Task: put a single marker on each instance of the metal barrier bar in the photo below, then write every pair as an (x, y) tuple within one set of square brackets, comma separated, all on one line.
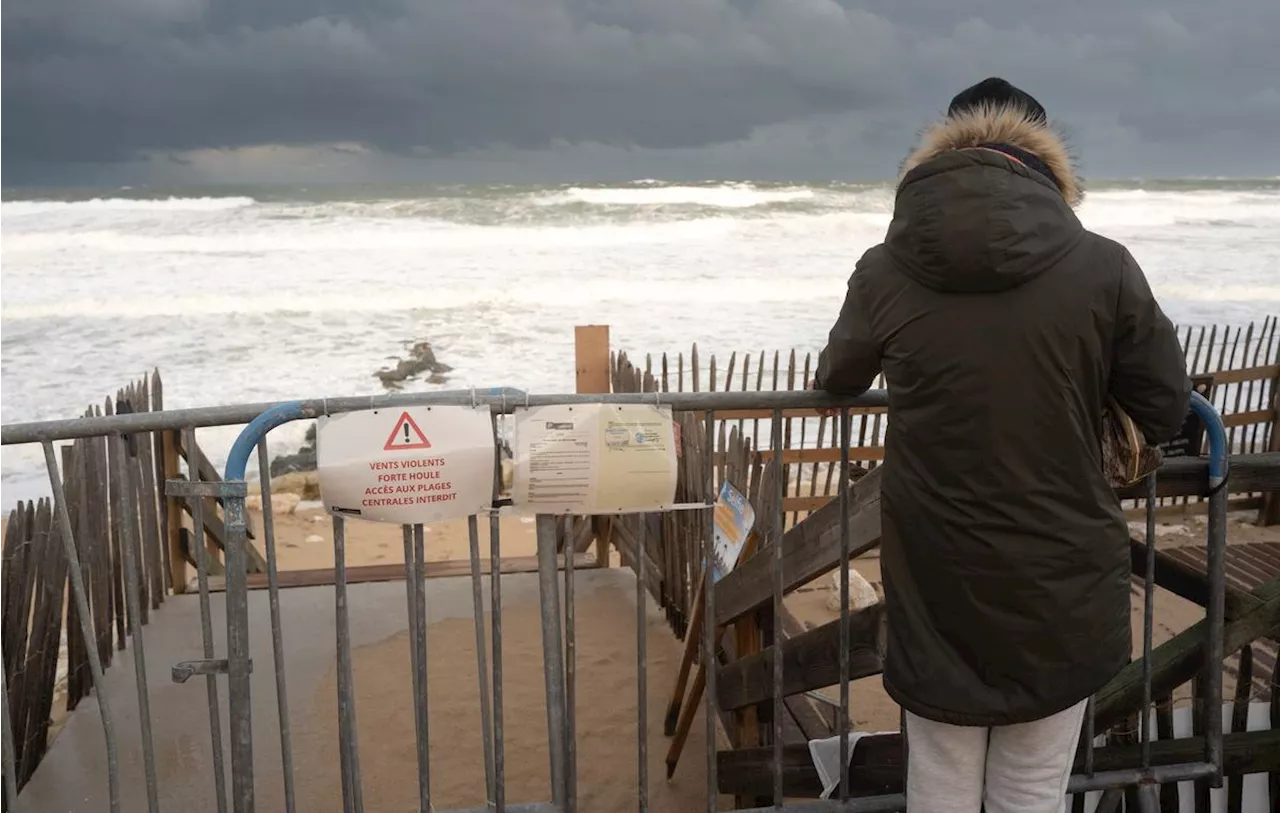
[(133, 602), (277, 633), (1089, 735), (81, 598), (495, 598), (477, 609), (420, 658), (417, 642), (642, 666), (206, 622), (570, 671), (552, 652), (1148, 619), (1219, 461), (709, 638), (780, 493), (503, 400), (348, 735), (843, 727), (560, 653)]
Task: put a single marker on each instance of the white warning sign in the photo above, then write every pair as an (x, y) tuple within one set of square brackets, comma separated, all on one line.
[(407, 466)]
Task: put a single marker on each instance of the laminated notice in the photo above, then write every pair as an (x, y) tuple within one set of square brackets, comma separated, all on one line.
[(407, 466), (594, 459)]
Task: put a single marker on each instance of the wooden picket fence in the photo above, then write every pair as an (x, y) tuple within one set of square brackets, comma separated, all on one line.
[(1242, 361)]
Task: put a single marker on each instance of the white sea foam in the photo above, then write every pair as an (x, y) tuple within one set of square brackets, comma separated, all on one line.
[(21, 208), (238, 300), (728, 196)]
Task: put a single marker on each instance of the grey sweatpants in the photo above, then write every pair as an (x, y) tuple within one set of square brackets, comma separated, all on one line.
[(1020, 768)]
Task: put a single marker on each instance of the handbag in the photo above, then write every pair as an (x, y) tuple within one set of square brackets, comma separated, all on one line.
[(1126, 456)]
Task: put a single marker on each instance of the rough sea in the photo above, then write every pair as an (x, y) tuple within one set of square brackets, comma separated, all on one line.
[(273, 293)]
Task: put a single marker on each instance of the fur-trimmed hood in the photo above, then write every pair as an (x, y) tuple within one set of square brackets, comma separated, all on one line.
[(1000, 125)]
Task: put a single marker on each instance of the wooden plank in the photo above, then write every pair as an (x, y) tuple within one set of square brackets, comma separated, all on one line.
[(1269, 513), (322, 577), (1183, 580), (47, 621), (158, 462), (150, 513), (810, 549), (170, 457), (1179, 659), (1240, 722), (77, 650), (1239, 419), (129, 493), (591, 358), (809, 714), (116, 530), (1248, 374), (1193, 509), (810, 660), (876, 764), (98, 533), (828, 455)]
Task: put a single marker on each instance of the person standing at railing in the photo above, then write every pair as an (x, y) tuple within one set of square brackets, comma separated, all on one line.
[(1001, 326)]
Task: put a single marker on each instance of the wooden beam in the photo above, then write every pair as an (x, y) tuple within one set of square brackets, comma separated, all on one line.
[(1183, 580), (1189, 476), (173, 513), (823, 455), (876, 765), (1179, 659), (1247, 418), (810, 715), (591, 358), (1191, 509), (1261, 373), (216, 532), (1269, 513), (810, 660), (767, 414), (810, 548)]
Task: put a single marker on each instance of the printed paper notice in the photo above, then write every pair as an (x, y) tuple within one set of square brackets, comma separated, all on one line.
[(734, 519), (407, 466), (594, 459)]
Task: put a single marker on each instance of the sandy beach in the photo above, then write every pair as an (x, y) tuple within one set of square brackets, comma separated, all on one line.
[(870, 707)]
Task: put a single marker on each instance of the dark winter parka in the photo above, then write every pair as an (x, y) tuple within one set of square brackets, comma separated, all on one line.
[(1001, 325)]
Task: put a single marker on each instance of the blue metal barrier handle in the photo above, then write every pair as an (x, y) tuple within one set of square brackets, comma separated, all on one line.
[(247, 442), (1219, 452)]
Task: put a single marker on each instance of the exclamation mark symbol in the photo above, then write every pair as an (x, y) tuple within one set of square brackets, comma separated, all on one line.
[(406, 432)]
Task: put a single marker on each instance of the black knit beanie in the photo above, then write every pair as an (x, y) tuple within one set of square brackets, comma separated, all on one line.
[(997, 93)]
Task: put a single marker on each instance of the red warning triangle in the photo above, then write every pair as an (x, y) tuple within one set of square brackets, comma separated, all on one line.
[(406, 435)]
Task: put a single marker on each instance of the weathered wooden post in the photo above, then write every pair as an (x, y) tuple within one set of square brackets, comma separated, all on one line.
[(593, 374), (1269, 513), (173, 514)]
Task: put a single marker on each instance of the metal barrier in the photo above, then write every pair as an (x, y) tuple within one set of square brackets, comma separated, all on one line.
[(557, 626)]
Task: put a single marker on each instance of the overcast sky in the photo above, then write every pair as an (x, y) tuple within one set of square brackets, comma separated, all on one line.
[(137, 91)]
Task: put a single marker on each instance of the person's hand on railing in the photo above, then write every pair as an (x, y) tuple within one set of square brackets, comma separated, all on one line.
[(826, 412)]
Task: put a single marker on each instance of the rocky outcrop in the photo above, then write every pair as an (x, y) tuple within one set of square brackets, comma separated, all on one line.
[(302, 460), (421, 359)]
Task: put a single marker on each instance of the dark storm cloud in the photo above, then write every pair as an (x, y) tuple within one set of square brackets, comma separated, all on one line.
[(111, 80)]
